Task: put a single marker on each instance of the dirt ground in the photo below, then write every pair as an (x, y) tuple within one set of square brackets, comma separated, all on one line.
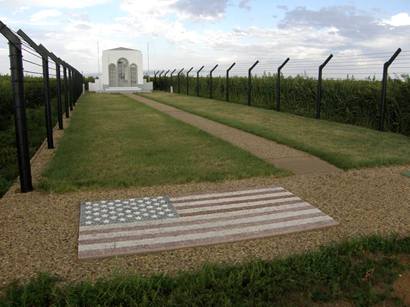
[(402, 288), (39, 231)]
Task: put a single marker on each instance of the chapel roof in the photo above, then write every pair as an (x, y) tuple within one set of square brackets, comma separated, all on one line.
[(122, 48)]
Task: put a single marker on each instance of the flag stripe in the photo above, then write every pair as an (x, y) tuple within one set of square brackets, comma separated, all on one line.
[(183, 233), (212, 224), (240, 206), (204, 235), (225, 194), (193, 219), (228, 200), (210, 241)]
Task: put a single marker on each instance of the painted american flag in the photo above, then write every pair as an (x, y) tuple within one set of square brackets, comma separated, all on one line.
[(151, 224)]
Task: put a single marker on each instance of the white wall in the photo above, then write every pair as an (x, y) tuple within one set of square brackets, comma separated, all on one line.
[(95, 86), (112, 57)]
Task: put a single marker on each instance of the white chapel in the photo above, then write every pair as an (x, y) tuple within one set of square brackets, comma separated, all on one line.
[(122, 71)]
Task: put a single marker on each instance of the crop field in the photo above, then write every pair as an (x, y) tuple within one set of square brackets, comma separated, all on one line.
[(348, 101)]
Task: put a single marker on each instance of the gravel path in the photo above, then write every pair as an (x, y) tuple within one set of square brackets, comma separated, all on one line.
[(39, 231), (284, 157)]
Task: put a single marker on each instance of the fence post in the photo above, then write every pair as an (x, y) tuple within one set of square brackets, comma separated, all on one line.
[(59, 101), (250, 82), (179, 80), (78, 82), (277, 96), (319, 86), (17, 81), (66, 101), (197, 80), (155, 78), (70, 87), (210, 81), (384, 88), (227, 81), (187, 81), (171, 80), (75, 84), (165, 75), (46, 85), (160, 80)]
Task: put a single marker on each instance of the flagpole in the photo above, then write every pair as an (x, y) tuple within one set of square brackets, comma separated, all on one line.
[(98, 57), (148, 59)]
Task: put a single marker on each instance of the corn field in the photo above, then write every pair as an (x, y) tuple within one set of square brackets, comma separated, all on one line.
[(348, 101)]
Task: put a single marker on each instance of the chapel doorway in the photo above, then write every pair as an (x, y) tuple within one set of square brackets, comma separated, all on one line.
[(123, 73)]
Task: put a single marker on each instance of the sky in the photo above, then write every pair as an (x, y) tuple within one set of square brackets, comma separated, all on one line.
[(184, 33)]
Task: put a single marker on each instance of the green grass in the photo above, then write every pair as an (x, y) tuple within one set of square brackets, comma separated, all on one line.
[(361, 272), (345, 146), (114, 141)]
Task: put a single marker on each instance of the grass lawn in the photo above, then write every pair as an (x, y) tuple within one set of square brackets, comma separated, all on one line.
[(345, 146), (114, 141), (361, 272)]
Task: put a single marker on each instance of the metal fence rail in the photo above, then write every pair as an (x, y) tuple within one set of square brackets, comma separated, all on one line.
[(68, 88)]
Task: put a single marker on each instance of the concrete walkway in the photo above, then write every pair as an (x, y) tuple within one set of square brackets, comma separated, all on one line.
[(284, 157)]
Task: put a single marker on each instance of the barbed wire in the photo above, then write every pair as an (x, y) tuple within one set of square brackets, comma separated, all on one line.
[(32, 53), (33, 63), (33, 72)]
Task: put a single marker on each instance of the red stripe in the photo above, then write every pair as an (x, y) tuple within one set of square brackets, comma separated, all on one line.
[(239, 209), (199, 230), (227, 196), (241, 201), (201, 242)]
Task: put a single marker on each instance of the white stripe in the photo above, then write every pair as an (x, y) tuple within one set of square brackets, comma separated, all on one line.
[(259, 218), (200, 236), (201, 196), (209, 216), (230, 199), (236, 206)]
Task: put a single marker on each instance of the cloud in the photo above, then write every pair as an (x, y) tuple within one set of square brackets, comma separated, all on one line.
[(245, 4), (44, 15), (282, 7), (399, 20), (200, 9), (359, 29), (348, 20), (60, 4), (302, 33)]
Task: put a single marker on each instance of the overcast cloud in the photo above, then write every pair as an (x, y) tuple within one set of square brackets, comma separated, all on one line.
[(194, 32)]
